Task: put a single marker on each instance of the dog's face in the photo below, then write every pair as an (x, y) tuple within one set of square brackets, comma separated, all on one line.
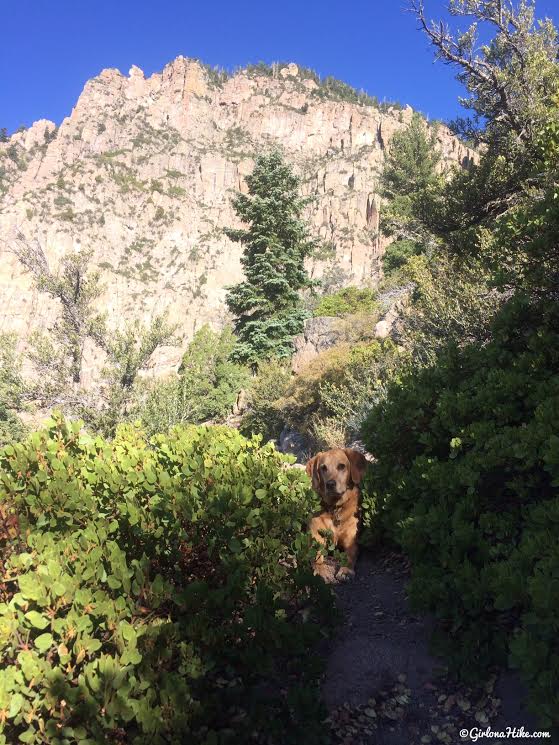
[(335, 471)]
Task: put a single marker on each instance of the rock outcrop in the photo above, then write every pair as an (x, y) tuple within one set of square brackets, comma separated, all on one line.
[(319, 334), (142, 173)]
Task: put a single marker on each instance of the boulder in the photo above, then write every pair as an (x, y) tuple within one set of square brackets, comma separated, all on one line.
[(294, 443), (319, 334)]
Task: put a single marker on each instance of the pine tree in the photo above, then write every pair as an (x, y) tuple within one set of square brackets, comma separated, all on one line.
[(409, 182), (512, 84), (267, 306), (511, 79)]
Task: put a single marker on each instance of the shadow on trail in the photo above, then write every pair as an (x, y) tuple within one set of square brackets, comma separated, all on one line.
[(384, 687)]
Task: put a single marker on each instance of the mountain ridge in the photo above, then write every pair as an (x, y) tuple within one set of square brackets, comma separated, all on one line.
[(142, 172)]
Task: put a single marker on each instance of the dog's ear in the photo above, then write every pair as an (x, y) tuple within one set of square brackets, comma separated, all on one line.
[(358, 464), (312, 471)]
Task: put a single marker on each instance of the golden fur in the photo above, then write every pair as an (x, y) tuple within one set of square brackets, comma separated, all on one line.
[(336, 475)]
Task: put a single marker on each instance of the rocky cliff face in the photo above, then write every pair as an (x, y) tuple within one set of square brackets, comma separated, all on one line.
[(142, 173)]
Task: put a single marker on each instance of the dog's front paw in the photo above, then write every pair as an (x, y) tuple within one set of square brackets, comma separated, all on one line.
[(326, 570), (344, 574)]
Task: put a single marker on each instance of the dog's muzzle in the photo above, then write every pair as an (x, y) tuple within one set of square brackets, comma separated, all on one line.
[(331, 491)]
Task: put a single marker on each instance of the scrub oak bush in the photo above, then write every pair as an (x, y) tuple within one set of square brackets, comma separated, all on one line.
[(206, 387), (347, 301), (262, 416), (466, 479), (328, 399), (333, 393), (156, 592)]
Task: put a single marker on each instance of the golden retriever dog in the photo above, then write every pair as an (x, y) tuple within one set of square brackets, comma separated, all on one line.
[(336, 475)]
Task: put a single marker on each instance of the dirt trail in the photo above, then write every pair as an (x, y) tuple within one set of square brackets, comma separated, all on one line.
[(383, 685)]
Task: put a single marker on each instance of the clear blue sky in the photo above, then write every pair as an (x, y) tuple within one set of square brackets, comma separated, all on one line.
[(50, 48)]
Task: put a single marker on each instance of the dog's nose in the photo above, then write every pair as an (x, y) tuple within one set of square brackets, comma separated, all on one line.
[(330, 484)]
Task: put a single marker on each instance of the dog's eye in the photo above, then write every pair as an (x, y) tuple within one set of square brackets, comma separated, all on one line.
[(341, 466), (323, 467)]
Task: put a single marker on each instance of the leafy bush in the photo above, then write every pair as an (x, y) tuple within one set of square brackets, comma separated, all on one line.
[(347, 301), (260, 69), (12, 390), (302, 399), (466, 480), (397, 254), (523, 251), (128, 351), (345, 403), (155, 594), (206, 387), (451, 302), (270, 384), (328, 399), (331, 395)]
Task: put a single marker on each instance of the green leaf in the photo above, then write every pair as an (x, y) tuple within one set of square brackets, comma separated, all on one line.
[(131, 657), (58, 588), (37, 620), (113, 582), (29, 587), (16, 703), (128, 631), (44, 642)]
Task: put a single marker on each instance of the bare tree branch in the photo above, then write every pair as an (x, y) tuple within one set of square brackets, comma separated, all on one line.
[(30, 254), (482, 76)]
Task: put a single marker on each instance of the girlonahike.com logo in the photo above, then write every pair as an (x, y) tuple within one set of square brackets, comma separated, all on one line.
[(476, 733)]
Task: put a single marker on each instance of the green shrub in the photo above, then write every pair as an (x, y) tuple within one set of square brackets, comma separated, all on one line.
[(331, 395), (156, 594), (259, 69), (398, 253), (128, 352), (270, 384), (176, 191), (466, 480), (12, 391), (532, 575), (62, 201), (302, 398), (332, 89), (205, 389), (451, 302), (347, 301), (345, 402)]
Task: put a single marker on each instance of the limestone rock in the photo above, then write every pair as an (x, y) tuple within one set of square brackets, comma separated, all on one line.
[(394, 302), (292, 70), (241, 404), (319, 334), (382, 329)]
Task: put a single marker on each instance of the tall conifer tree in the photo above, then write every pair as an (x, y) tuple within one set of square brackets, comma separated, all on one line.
[(267, 305), (410, 181)]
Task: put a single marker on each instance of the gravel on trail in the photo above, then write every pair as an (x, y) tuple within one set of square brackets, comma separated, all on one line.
[(383, 686)]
